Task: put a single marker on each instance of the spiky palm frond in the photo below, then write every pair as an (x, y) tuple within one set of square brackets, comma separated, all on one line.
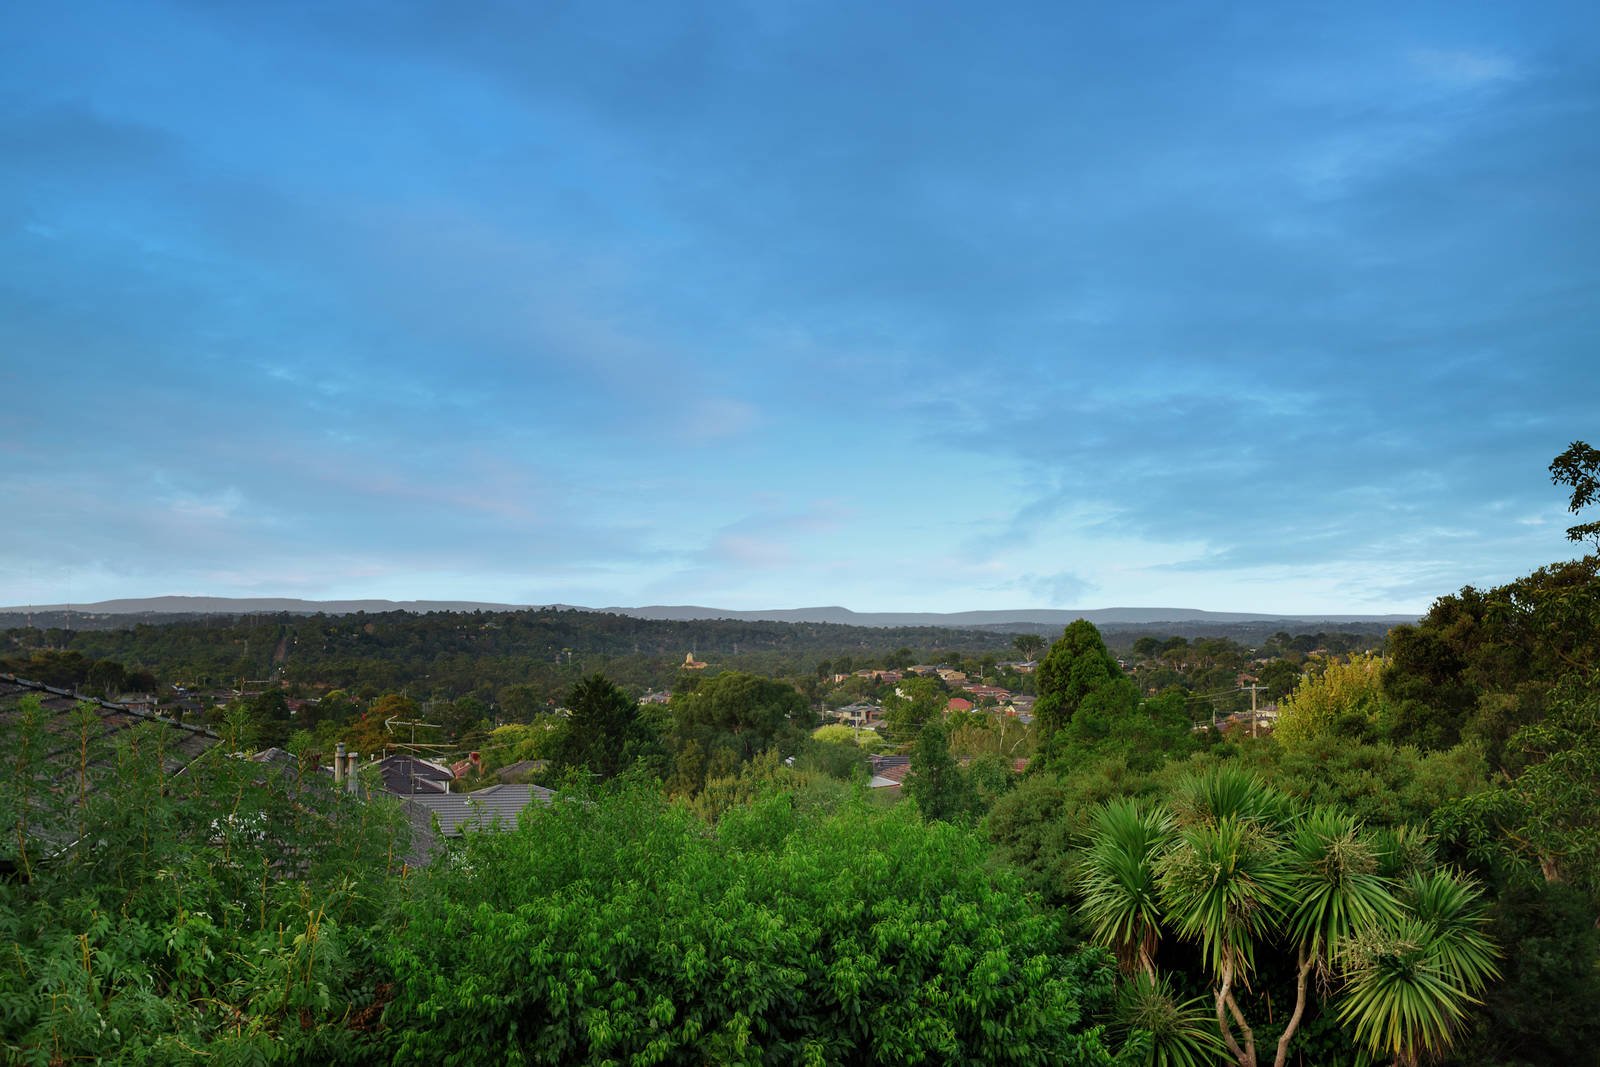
[(1450, 906), (1181, 1033), (1228, 792), (1400, 1000), (1116, 878), (1403, 849), (1337, 890), (1226, 886)]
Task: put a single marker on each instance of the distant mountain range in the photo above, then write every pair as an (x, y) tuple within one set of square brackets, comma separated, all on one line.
[(1025, 617)]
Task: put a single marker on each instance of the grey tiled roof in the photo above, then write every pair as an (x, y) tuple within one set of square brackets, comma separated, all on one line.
[(521, 769), (406, 775), (183, 742), (180, 744), (495, 807)]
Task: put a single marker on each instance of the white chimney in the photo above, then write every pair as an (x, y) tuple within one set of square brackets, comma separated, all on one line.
[(338, 763)]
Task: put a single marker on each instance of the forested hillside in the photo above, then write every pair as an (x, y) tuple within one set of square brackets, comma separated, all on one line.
[(451, 654)]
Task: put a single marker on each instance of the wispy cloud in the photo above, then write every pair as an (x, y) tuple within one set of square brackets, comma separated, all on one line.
[(1463, 68)]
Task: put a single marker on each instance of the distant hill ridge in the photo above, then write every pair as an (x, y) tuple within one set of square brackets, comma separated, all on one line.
[(206, 605)]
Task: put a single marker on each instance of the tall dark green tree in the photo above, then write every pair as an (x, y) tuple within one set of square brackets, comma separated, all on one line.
[(604, 733), (935, 781), (1077, 665), (269, 714)]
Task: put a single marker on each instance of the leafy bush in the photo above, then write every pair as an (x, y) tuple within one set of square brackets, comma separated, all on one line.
[(621, 928), (226, 912)]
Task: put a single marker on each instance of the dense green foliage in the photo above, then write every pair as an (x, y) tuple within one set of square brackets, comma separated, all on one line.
[(247, 912), (720, 723), (620, 930), (227, 913)]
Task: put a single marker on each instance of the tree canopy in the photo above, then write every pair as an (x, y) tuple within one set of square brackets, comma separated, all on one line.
[(723, 721)]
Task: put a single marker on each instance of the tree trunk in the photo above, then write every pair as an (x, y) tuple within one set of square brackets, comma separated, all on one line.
[(1306, 959), (1244, 1028), (1245, 1057)]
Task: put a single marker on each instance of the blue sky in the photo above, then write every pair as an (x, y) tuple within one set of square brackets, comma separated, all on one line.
[(928, 306)]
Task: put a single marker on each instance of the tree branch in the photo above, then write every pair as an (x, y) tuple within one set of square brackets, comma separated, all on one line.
[(1306, 959), (1244, 1027), (1246, 1057)]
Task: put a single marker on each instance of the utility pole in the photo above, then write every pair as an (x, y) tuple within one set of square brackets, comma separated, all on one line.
[(1254, 688)]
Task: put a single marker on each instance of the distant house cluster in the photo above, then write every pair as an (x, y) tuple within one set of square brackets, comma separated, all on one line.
[(968, 695)]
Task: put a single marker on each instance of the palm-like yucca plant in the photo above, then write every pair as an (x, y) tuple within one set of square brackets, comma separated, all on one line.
[(1226, 884), (1180, 1033), (1333, 872), (1117, 880), (1410, 981), (1403, 849), (1228, 792), (1450, 905), (1336, 884), (1399, 1001), (1236, 866)]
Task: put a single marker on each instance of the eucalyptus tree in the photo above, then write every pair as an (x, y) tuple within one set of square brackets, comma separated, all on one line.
[(1579, 469)]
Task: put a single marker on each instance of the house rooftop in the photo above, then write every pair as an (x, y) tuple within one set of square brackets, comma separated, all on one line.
[(184, 741), (435, 816), (61, 752), (407, 775)]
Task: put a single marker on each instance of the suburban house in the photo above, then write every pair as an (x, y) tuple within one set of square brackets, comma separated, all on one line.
[(889, 773), (858, 714), (406, 775), (437, 815)]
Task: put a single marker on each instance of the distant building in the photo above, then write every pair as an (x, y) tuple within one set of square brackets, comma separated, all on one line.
[(409, 776), (858, 714), (692, 664)]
